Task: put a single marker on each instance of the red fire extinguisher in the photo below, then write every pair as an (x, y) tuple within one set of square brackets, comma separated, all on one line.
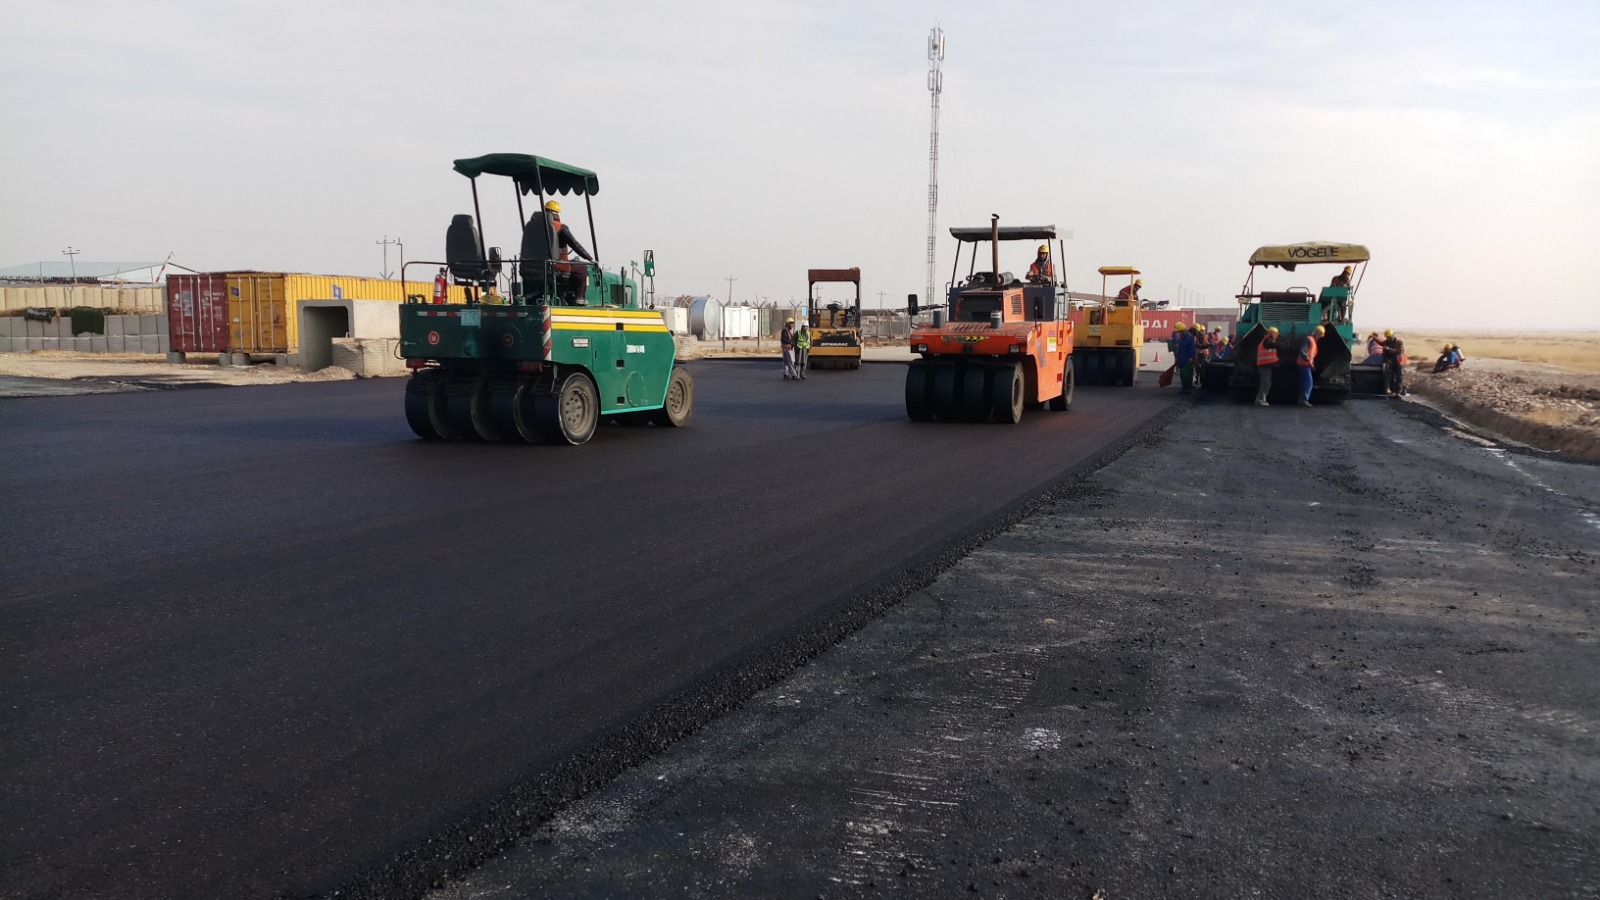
[(441, 289)]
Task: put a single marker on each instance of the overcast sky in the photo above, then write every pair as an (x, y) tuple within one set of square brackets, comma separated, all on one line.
[(1459, 141)]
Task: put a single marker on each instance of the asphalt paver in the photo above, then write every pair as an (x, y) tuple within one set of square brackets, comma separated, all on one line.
[(1345, 652), (263, 642)]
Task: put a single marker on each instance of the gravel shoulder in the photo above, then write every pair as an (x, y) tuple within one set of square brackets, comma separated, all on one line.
[(32, 374), (1338, 652)]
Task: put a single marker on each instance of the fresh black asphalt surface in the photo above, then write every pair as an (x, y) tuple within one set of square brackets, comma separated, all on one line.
[(262, 642)]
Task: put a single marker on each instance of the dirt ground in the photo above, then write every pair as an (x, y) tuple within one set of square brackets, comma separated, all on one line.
[(98, 372)]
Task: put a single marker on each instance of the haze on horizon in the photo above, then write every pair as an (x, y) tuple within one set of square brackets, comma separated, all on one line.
[(1459, 141)]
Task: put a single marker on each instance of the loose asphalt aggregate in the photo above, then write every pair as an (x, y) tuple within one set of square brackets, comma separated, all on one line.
[(1344, 652)]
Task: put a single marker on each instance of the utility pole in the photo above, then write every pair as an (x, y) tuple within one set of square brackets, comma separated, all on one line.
[(72, 256), (386, 242), (935, 86), (722, 320)]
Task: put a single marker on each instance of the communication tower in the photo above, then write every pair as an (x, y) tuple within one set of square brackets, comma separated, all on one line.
[(935, 85)]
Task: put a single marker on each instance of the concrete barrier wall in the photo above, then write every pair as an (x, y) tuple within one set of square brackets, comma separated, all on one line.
[(369, 357), (124, 334), (56, 296)]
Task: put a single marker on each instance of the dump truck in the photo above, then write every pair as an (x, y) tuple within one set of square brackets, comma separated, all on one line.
[(997, 345), (836, 327), (552, 356), (1107, 350), (1295, 312)]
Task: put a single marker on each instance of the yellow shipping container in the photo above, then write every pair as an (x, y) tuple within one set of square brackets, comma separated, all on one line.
[(261, 305)]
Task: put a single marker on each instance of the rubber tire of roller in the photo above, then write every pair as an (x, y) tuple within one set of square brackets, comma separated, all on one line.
[(947, 392), (919, 391), (502, 409), (525, 411), (424, 405), (1063, 401), (1007, 390), (571, 414), (459, 394), (976, 405), (679, 403)]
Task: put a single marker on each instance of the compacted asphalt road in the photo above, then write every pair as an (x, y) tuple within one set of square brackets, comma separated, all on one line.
[(262, 642)]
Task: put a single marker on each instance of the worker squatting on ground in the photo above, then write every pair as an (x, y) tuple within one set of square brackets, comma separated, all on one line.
[(1266, 360), (786, 341), (1394, 364), (802, 349), (544, 238), (1306, 363), (1042, 272), (1449, 358)]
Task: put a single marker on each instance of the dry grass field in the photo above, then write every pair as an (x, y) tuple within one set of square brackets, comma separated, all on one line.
[(1572, 351), (1540, 388)]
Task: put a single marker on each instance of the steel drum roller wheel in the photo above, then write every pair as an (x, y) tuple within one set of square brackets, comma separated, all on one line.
[(679, 403)]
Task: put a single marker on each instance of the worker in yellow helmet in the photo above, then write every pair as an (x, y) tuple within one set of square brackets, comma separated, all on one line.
[(1394, 364), (786, 343), (1343, 278), (545, 243), (1130, 292), (1042, 272), (1306, 362), (1266, 362)]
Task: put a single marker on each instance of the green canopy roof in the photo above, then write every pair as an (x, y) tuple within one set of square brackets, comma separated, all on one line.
[(530, 171)]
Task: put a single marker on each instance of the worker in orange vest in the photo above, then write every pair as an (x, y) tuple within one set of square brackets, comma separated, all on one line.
[(1306, 361), (1042, 272), (1266, 360)]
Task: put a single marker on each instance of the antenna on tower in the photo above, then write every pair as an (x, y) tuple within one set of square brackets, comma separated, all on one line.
[(935, 85)]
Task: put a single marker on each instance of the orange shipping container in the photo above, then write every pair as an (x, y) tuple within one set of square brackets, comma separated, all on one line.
[(261, 305)]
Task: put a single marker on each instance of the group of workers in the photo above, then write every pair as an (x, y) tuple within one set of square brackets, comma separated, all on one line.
[(796, 344), (1192, 348), (1390, 352), (1305, 364)]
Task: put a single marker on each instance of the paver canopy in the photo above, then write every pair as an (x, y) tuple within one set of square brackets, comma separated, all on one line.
[(1290, 255), (532, 171), (1007, 233)]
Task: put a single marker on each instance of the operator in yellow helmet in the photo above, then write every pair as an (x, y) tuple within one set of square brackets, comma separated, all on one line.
[(1129, 292), (543, 261), (1343, 278), (1042, 272)]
